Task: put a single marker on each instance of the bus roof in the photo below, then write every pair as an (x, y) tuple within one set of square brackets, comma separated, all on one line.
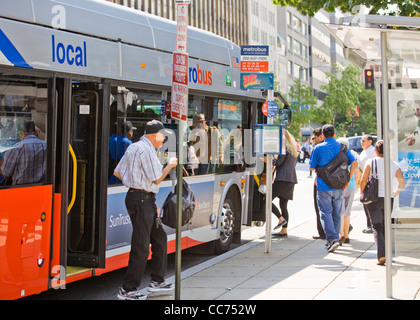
[(100, 18)]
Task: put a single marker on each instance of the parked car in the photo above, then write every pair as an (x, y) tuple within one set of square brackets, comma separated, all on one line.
[(355, 144)]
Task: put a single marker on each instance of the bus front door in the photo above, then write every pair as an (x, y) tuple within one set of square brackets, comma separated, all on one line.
[(86, 206)]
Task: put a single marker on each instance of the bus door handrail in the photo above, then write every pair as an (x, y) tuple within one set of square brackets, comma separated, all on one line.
[(73, 197)]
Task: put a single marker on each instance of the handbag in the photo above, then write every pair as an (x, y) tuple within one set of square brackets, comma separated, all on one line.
[(370, 193), (263, 181), (169, 208)]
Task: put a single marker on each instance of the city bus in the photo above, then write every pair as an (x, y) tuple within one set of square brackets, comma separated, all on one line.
[(79, 71)]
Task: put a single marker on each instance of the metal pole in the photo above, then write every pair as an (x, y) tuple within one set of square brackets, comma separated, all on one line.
[(387, 162), (181, 46), (269, 189), (179, 174)]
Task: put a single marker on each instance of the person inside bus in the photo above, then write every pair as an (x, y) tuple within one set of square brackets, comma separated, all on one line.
[(206, 142), (26, 163), (124, 139), (30, 112), (112, 156), (141, 171), (284, 183)]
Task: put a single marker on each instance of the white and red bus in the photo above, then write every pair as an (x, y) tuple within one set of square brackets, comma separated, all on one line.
[(79, 70)]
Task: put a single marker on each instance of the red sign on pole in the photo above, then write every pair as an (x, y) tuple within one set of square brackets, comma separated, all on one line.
[(181, 28), (179, 108), (254, 66)]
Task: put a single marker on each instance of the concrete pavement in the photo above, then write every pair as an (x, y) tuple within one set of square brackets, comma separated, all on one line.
[(299, 267)]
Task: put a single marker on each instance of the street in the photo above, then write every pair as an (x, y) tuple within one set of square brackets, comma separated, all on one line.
[(105, 287)]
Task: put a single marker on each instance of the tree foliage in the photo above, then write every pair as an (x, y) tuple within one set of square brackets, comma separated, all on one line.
[(301, 101), (310, 7), (343, 90)]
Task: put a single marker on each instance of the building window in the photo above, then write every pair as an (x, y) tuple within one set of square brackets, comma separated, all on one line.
[(290, 67)]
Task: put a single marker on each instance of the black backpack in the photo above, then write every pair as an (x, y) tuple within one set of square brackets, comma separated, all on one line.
[(336, 174), (169, 207)]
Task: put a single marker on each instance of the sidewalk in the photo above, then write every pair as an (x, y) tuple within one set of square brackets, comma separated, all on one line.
[(299, 267)]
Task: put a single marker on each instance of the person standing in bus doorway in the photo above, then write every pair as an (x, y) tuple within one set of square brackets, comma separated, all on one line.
[(141, 171), (124, 139), (284, 183), (207, 144)]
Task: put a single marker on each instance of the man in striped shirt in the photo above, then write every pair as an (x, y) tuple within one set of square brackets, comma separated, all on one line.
[(141, 171), (26, 162)]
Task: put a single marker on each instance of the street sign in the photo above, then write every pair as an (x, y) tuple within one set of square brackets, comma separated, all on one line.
[(255, 66), (255, 51), (260, 81), (270, 108), (179, 109), (181, 27), (165, 107), (255, 58)]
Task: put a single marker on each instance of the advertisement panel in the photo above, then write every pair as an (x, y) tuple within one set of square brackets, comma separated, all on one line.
[(119, 226), (405, 147)]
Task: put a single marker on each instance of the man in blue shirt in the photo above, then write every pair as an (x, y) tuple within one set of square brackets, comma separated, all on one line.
[(124, 140), (329, 199)]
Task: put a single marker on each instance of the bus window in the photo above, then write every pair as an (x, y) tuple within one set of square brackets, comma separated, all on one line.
[(230, 114), (23, 126), (130, 109), (215, 135)]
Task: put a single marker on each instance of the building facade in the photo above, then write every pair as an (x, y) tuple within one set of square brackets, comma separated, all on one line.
[(226, 18)]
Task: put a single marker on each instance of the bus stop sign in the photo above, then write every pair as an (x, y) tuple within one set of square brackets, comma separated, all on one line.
[(270, 109)]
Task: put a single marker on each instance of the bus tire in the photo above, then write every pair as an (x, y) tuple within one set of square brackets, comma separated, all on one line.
[(228, 219)]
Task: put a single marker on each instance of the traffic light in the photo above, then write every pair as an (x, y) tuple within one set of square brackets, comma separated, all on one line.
[(369, 79)]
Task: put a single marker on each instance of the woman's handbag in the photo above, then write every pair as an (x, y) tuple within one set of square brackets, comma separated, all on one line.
[(263, 181), (370, 193)]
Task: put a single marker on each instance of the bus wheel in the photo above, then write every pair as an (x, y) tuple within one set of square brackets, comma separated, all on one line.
[(227, 223)]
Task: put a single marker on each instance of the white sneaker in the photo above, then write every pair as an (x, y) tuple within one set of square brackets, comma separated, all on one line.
[(130, 295), (162, 287)]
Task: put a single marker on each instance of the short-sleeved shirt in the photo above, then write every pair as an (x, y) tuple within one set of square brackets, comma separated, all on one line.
[(27, 162), (140, 166), (122, 144), (380, 162), (322, 154)]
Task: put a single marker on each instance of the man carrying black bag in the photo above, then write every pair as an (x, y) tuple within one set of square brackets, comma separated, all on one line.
[(141, 171), (330, 199)]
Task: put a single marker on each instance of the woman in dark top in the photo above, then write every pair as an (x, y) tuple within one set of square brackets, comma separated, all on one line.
[(284, 183)]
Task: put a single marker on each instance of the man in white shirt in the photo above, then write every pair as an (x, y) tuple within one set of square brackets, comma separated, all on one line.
[(367, 153)]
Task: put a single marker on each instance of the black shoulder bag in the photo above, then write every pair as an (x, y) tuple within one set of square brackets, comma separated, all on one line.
[(370, 193)]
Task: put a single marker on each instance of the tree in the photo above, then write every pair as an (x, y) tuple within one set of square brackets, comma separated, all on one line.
[(366, 122), (342, 95), (405, 7), (301, 101)]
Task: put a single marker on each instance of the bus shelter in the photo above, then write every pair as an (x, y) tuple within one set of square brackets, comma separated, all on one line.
[(392, 45)]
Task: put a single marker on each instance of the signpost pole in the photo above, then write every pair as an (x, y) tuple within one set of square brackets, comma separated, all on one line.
[(255, 62), (179, 111)]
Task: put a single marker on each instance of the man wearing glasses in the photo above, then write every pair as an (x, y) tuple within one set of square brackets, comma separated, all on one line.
[(367, 153)]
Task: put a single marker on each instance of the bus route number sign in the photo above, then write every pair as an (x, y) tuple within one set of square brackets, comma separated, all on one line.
[(179, 106)]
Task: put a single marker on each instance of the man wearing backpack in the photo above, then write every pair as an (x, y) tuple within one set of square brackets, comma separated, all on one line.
[(330, 199)]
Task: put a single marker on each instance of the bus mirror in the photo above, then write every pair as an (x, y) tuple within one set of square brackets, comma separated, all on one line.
[(286, 117)]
